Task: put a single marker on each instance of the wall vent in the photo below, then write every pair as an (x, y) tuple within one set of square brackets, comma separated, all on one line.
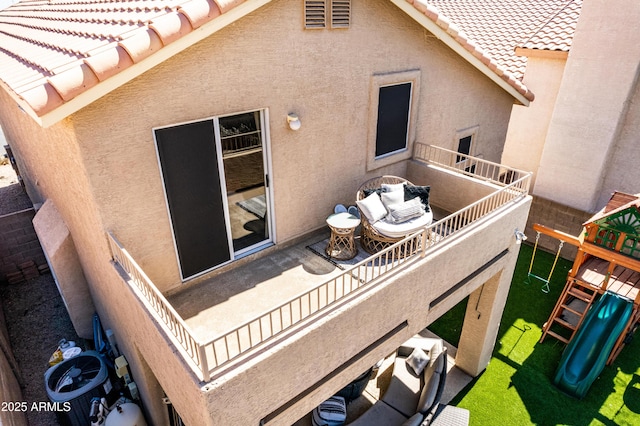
[(340, 13), (315, 14)]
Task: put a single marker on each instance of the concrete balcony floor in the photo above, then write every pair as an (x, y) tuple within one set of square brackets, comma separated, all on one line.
[(223, 302)]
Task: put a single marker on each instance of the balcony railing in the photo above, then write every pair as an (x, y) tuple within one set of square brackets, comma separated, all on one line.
[(206, 357)]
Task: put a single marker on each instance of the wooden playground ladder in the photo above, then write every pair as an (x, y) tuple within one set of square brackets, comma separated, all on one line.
[(574, 289)]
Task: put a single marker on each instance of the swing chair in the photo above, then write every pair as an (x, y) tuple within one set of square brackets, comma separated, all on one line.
[(545, 288)]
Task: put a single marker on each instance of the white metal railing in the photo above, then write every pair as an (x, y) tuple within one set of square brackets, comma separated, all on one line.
[(158, 306), (231, 344), (208, 356), (471, 166)]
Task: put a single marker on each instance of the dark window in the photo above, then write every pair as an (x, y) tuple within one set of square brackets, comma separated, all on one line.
[(464, 147), (394, 105)]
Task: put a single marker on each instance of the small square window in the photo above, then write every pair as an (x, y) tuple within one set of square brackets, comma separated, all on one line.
[(465, 140)]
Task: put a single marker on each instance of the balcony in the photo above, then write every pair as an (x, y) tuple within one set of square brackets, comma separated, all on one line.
[(243, 311)]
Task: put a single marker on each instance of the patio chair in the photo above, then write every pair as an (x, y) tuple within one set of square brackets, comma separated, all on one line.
[(372, 239)]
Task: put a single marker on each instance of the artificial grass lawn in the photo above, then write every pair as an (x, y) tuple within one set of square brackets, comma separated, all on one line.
[(517, 386)]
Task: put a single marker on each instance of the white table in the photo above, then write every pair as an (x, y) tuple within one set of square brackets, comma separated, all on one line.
[(342, 245)]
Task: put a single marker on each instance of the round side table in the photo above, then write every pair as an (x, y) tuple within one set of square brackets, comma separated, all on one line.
[(342, 245)]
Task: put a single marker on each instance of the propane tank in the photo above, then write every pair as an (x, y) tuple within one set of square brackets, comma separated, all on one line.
[(127, 414)]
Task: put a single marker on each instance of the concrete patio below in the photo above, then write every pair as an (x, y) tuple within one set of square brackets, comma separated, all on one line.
[(457, 380)]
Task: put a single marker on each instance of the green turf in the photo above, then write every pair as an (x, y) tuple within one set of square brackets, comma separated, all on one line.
[(516, 388)]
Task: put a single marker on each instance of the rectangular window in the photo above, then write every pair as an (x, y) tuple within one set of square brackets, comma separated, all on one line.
[(466, 140), (464, 147), (392, 117), (394, 109)]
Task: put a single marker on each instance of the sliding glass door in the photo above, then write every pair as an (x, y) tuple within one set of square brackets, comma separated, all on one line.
[(215, 176)]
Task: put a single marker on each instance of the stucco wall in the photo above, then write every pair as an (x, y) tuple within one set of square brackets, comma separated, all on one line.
[(449, 191), (622, 172), (51, 165), (600, 78), (100, 168), (284, 372), (528, 126), (266, 60)]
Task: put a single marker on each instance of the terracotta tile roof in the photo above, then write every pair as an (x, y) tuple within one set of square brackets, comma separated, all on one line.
[(51, 51), (557, 33), (498, 26), (472, 25)]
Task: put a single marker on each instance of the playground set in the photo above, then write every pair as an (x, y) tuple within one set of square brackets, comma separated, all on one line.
[(599, 308)]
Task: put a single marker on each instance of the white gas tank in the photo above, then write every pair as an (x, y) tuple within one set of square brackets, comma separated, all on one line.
[(127, 414)]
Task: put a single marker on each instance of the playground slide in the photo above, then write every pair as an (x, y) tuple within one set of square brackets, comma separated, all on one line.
[(584, 358)]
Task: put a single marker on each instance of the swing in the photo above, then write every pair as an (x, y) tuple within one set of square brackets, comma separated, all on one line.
[(545, 288)]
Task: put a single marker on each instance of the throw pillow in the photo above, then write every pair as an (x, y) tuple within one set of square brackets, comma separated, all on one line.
[(434, 354), (332, 412), (405, 211), (429, 394), (391, 187), (412, 191), (368, 192), (372, 208), (417, 361), (391, 198)]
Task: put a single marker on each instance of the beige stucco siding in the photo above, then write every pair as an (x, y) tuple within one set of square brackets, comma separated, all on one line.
[(299, 363), (266, 60), (529, 125), (599, 81), (622, 173), (100, 168), (53, 168)]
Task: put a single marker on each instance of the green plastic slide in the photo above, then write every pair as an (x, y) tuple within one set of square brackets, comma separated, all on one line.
[(586, 355)]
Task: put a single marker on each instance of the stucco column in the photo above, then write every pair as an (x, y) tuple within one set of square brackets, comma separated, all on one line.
[(63, 259), (481, 322)]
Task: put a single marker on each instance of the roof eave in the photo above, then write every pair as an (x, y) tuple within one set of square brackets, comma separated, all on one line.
[(93, 94), (453, 44)]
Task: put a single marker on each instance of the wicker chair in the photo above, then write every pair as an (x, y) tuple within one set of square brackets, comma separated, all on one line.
[(370, 239)]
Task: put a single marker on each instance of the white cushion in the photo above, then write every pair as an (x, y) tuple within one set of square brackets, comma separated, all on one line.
[(391, 198), (392, 187), (396, 230), (372, 208), (405, 210), (418, 360)]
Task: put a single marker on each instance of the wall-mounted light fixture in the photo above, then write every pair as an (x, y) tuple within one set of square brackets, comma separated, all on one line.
[(520, 237), (294, 121)]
